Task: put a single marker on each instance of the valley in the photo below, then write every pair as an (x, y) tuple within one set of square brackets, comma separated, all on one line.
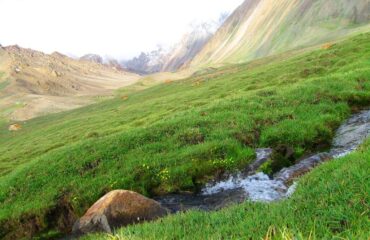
[(255, 126), (148, 151)]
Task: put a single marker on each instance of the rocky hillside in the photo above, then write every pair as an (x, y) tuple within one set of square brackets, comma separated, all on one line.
[(92, 58), (110, 62), (33, 83), (263, 27)]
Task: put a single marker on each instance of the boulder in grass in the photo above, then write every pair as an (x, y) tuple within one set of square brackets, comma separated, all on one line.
[(15, 127), (116, 209)]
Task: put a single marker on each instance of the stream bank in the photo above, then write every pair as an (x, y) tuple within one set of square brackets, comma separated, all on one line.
[(259, 187)]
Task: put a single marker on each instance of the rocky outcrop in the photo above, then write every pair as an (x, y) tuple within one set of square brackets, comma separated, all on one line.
[(116, 209), (92, 58)]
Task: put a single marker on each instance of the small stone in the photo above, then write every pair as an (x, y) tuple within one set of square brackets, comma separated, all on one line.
[(15, 127)]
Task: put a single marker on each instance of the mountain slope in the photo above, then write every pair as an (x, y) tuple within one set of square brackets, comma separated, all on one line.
[(35, 83), (263, 27)]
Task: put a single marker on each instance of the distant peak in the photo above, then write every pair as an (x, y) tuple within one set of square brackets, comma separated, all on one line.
[(58, 54), (92, 58)]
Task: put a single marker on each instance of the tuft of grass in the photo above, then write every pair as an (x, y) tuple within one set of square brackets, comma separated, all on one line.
[(177, 136)]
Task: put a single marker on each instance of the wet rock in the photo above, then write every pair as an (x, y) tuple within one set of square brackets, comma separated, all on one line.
[(288, 175), (15, 127), (351, 134), (262, 156), (116, 209)]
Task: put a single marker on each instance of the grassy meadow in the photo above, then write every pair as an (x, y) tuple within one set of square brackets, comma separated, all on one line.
[(177, 135)]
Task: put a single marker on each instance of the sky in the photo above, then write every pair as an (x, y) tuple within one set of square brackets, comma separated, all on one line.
[(115, 28)]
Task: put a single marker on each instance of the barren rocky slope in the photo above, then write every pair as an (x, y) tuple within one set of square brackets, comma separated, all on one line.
[(33, 83)]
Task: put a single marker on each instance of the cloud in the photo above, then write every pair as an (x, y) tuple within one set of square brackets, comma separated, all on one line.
[(108, 27)]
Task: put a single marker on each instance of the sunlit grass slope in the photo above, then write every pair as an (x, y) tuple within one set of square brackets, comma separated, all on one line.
[(176, 135)]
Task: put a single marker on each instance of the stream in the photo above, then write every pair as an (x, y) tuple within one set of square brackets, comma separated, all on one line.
[(259, 187)]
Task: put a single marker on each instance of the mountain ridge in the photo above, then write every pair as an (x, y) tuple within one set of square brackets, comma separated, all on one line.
[(260, 28)]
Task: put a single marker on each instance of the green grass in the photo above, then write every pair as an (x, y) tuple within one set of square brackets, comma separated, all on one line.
[(332, 202), (176, 136), (3, 83)]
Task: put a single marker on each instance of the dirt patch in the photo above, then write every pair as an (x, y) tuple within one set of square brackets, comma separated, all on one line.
[(24, 228), (60, 217), (327, 46)]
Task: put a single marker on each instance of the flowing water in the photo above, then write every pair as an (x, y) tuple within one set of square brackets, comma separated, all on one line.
[(259, 186)]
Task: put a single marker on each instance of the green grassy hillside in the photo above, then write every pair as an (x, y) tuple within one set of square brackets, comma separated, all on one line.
[(177, 135), (332, 202)]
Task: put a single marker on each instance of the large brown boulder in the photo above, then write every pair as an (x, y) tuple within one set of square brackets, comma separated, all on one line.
[(116, 209)]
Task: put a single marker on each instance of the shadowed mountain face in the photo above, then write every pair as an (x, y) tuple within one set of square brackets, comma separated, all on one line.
[(33, 83), (260, 28)]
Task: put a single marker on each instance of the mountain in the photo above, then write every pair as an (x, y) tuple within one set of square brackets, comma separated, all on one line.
[(147, 63), (110, 62), (170, 60), (260, 28), (33, 83), (189, 46), (92, 58)]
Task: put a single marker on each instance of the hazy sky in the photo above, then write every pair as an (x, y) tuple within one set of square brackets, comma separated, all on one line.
[(118, 28)]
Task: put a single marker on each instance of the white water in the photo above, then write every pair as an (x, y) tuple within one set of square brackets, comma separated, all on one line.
[(258, 187)]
